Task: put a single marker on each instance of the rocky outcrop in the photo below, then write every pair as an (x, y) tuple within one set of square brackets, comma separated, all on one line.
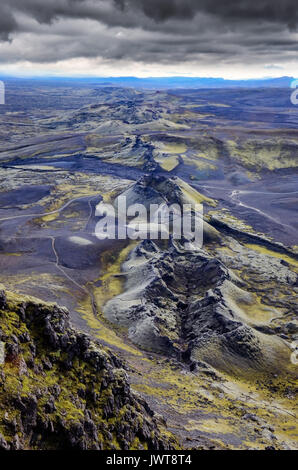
[(60, 390)]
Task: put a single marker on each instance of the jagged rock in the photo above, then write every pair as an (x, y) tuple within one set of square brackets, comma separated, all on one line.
[(292, 326), (2, 300), (72, 407), (3, 444)]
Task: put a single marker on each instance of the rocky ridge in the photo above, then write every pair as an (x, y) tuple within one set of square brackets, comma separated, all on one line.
[(60, 390), (189, 304)]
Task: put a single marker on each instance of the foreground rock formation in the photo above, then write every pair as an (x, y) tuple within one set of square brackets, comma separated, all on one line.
[(60, 390)]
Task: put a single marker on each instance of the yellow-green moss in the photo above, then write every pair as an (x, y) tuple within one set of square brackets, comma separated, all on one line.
[(275, 254), (270, 154), (22, 381)]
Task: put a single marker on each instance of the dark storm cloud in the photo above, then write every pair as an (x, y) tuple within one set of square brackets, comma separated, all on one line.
[(162, 31), (229, 11), (282, 11), (161, 10), (7, 22)]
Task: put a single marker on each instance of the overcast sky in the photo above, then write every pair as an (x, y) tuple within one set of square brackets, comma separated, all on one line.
[(228, 38)]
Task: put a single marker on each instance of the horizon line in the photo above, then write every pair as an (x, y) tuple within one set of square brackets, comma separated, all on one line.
[(162, 77)]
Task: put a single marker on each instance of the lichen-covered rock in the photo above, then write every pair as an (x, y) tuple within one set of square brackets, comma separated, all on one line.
[(60, 390)]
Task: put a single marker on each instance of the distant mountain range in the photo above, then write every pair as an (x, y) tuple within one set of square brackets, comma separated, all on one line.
[(167, 82), (194, 82)]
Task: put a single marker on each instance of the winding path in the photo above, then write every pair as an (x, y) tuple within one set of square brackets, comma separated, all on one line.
[(235, 198), (47, 213), (53, 241)]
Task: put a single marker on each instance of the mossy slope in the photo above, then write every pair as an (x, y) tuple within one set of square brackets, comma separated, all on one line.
[(60, 390)]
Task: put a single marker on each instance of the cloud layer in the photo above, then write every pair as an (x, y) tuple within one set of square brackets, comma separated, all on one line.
[(169, 34)]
